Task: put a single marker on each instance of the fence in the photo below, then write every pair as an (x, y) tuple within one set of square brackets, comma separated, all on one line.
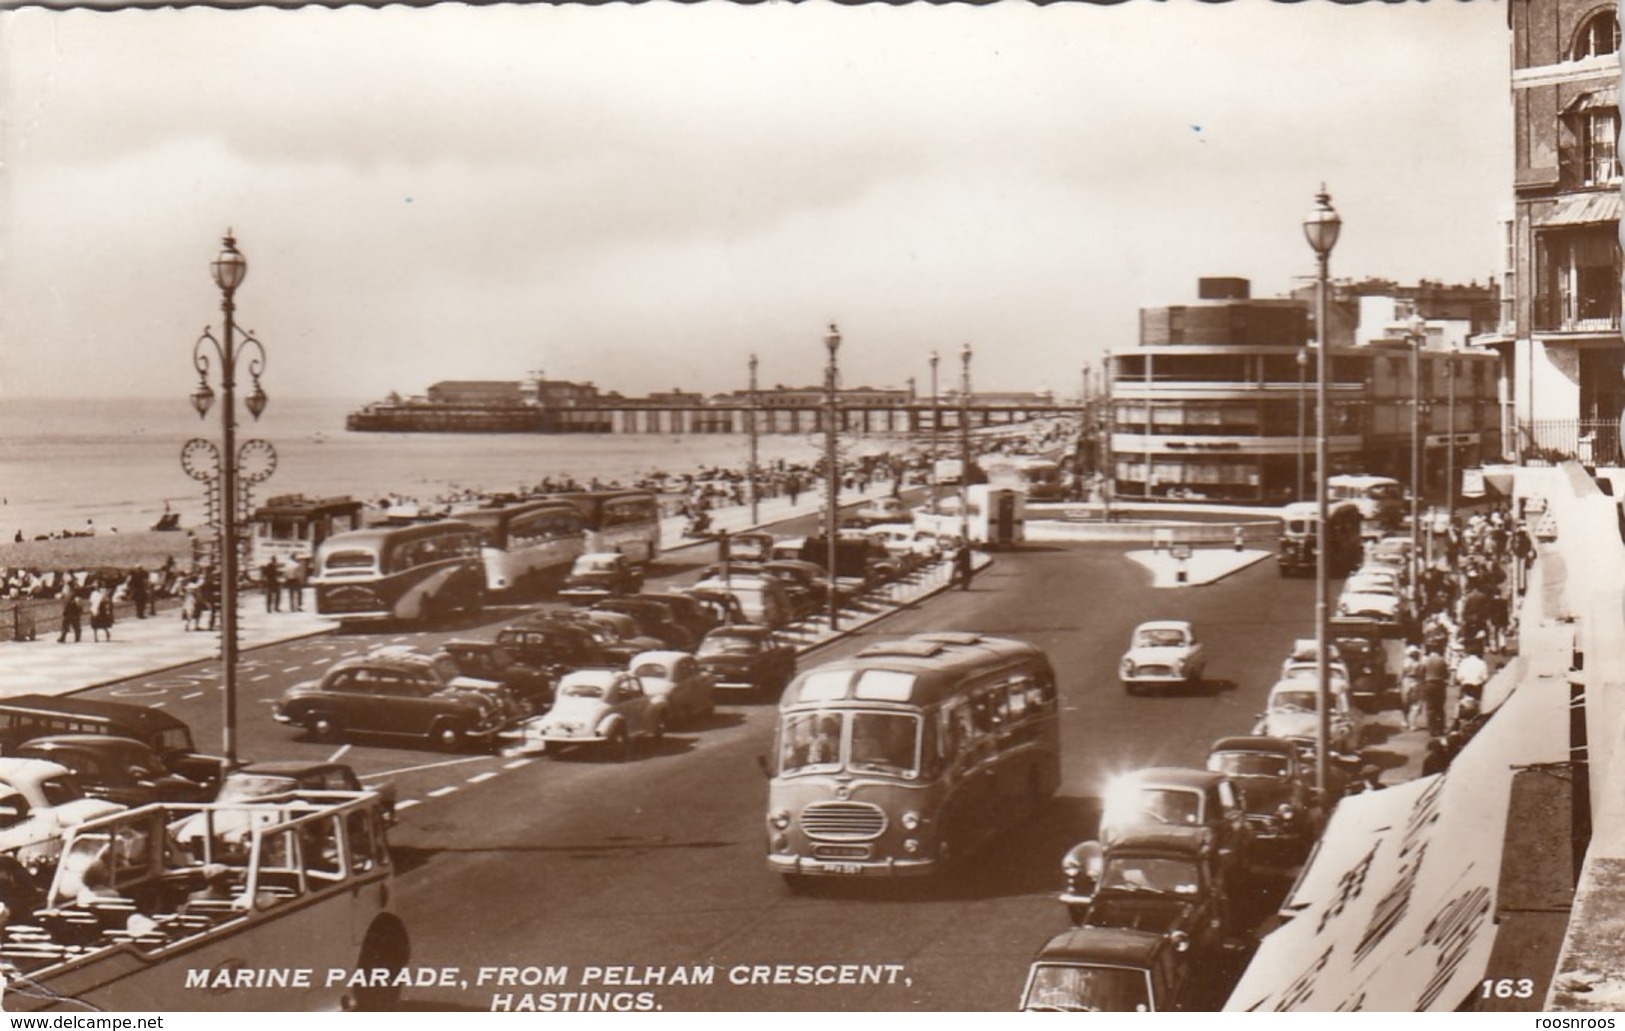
[(1588, 441)]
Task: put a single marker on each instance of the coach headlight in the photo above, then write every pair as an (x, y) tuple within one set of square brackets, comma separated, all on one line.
[(780, 819), (911, 820)]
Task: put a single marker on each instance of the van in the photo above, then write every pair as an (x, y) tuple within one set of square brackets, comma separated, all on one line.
[(27, 717)]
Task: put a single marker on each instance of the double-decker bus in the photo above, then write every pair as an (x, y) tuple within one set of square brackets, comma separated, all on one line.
[(911, 751), (627, 521), (256, 912), (1380, 499), (413, 572), (294, 526), (522, 544), (1299, 539)]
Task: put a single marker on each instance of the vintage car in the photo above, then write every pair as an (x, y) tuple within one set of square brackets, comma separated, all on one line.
[(654, 619), (604, 708), (809, 581), (1174, 796), (531, 686), (1275, 787), (1292, 713), (39, 801), (1162, 653), (1108, 970), (746, 657), (1361, 645), (601, 574), (117, 769), (678, 686), (553, 645), (401, 694), (688, 612), (752, 546), (264, 780), (1162, 879), (909, 547), (879, 510), (1382, 607), (762, 599)]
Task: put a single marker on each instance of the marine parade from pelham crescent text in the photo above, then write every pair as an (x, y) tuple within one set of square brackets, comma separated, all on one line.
[(565, 989)]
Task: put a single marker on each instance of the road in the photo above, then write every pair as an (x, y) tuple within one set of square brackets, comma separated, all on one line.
[(655, 867)]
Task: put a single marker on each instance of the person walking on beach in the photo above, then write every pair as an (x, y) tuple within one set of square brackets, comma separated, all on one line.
[(293, 579), (101, 613), (72, 612), (272, 578)]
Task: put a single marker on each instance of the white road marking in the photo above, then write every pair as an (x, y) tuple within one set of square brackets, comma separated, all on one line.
[(409, 803), (262, 676), (292, 669), (480, 778), (425, 766), (194, 694), (517, 763), (338, 754), (438, 792)]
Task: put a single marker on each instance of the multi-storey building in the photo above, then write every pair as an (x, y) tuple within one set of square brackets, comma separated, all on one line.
[(1218, 401), (1561, 332)]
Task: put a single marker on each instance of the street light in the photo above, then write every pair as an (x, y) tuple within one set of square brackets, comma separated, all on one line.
[(1450, 431), (755, 508), (964, 444), (936, 421), (1108, 416), (1321, 229), (832, 473), (1303, 371), (1418, 336), (254, 462)]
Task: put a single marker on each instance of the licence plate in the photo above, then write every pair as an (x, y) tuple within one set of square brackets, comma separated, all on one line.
[(847, 868)]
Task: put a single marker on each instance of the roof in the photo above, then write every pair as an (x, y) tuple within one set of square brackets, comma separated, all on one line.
[(668, 657), (1254, 743), (1580, 209), (1164, 624), (96, 708), (96, 742), (28, 771), (1174, 777), (938, 661), (1161, 838), (1110, 945)]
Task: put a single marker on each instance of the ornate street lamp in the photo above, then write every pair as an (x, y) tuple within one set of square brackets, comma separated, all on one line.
[(1418, 337), (1321, 229), (964, 444), (230, 467), (750, 472), (1303, 369), (936, 421), (832, 472)]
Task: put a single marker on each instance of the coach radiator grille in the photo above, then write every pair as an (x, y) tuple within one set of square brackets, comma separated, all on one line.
[(843, 821)]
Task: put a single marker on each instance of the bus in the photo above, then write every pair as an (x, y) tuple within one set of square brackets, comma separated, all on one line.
[(1380, 499), (133, 921), (627, 521), (1041, 479), (888, 763), (1345, 548), (413, 572), (524, 543), (294, 526)]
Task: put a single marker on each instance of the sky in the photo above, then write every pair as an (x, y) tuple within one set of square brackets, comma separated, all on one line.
[(642, 196)]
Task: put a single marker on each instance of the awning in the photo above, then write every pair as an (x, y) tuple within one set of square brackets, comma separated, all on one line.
[(1396, 910), (1591, 100), (1583, 209)]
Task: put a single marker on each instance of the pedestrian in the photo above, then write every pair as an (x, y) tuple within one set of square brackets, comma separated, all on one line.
[(101, 612), (1472, 672), (1435, 686), (72, 611), (964, 566), (209, 600), (1410, 690), (190, 604), (271, 578), (293, 580), (140, 591)]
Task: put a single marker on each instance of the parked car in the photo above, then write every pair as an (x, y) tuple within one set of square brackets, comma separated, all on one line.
[(601, 574), (531, 686), (117, 769), (1292, 712), (680, 688), (1163, 653), (553, 645), (747, 657), (256, 781), (880, 510), (1173, 796), (752, 546), (1361, 645), (654, 619), (25, 717), (722, 605), (39, 801), (618, 634), (1163, 879), (1108, 970), (400, 695), (604, 708), (908, 547), (808, 580), (762, 599), (692, 614), (1275, 786)]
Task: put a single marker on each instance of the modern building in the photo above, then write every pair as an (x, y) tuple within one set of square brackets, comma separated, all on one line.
[(1561, 334), (1218, 399)]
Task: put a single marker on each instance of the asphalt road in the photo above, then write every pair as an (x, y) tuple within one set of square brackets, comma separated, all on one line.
[(607, 877)]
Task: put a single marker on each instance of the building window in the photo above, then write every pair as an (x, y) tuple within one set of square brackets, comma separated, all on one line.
[(1598, 37), (1578, 278), (1599, 131)]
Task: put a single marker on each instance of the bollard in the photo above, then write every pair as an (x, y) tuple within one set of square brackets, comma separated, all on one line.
[(1241, 538), (1182, 574)]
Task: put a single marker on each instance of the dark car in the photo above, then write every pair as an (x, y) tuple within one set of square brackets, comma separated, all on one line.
[(26, 717), (551, 644), (750, 658), (617, 633), (531, 686), (1165, 879), (407, 695), (265, 779), (654, 620), (601, 574), (723, 607), (688, 613), (118, 769), (1361, 645), (1108, 970), (1274, 783), (1173, 796)]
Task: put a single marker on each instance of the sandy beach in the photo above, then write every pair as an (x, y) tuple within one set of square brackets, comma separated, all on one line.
[(113, 550)]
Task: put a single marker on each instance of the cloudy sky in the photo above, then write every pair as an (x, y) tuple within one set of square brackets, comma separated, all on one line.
[(641, 196)]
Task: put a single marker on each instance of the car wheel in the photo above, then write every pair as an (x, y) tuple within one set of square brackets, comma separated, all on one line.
[(618, 744), (323, 727), (449, 736), (659, 726), (388, 947), (1131, 687)]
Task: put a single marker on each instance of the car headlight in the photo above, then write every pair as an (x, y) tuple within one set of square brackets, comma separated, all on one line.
[(1071, 865), (1285, 811), (1128, 667), (780, 819), (911, 820)]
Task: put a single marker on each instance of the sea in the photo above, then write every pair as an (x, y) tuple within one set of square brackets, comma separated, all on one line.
[(74, 465)]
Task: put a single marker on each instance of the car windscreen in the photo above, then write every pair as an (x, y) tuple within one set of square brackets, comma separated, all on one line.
[(656, 670), (350, 560), (60, 789), (1293, 701), (240, 787), (1250, 764), (728, 644), (587, 690), (1161, 638), (1088, 989), (1159, 874)]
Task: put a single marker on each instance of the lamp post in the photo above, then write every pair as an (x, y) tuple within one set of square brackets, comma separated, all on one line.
[(1108, 417), (1321, 229), (964, 444), (1450, 431), (750, 472), (1418, 337), (832, 472), (936, 417), (228, 466), (1303, 371)]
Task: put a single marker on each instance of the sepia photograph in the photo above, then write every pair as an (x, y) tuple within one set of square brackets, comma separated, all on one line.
[(811, 507)]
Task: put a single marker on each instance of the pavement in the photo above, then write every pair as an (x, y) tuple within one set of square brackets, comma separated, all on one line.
[(1204, 566)]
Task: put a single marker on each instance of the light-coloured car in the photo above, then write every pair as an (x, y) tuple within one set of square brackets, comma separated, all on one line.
[(607, 708), (39, 801), (764, 600), (1291, 712), (1163, 653), (679, 687)]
